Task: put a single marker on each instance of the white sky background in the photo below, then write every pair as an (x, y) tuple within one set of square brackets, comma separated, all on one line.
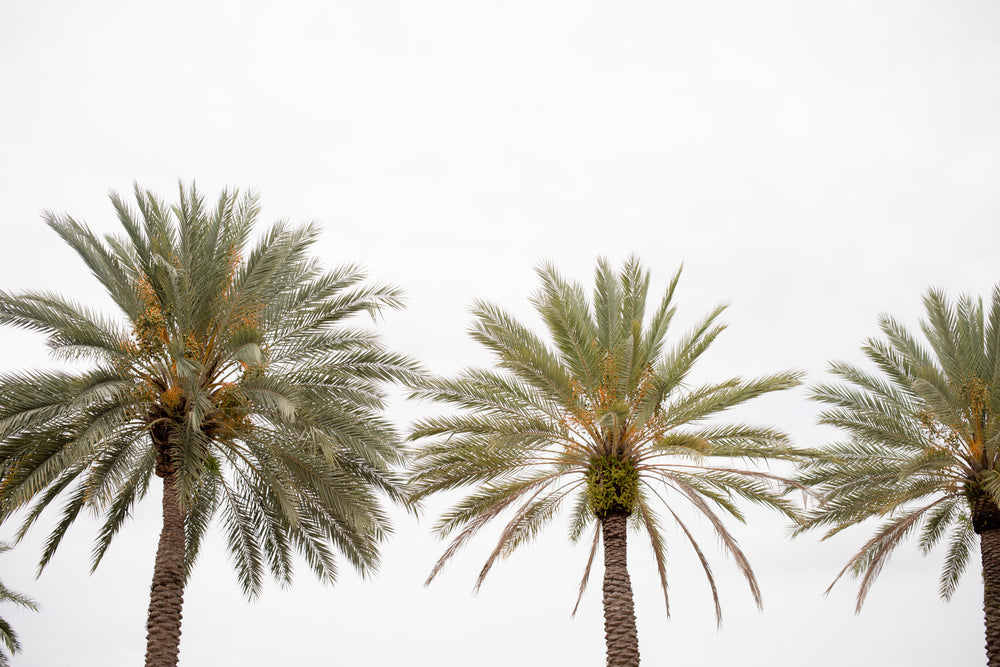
[(813, 164)]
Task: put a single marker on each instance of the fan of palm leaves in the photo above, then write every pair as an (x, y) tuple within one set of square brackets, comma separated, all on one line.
[(600, 421), (923, 447), (232, 370)]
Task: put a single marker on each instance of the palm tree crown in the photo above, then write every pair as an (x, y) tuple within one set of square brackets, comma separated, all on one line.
[(923, 447), (602, 421), (230, 374)]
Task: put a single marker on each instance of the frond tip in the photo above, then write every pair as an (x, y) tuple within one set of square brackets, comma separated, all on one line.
[(7, 635)]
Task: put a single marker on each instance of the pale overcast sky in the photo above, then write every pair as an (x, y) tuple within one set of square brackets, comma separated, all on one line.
[(811, 163)]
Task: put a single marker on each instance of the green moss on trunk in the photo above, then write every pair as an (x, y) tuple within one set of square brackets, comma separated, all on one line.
[(612, 485)]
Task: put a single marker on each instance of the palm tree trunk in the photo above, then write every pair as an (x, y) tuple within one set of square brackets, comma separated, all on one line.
[(989, 544), (166, 597), (620, 634)]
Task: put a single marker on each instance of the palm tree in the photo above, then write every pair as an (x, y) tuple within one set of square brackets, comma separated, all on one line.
[(231, 375), (605, 420), (7, 634), (923, 447)]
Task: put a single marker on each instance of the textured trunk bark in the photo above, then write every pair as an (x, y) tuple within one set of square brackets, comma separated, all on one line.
[(989, 545), (620, 634), (166, 597)]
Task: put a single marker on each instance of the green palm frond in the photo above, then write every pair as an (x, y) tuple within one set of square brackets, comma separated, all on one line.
[(962, 542), (7, 635)]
